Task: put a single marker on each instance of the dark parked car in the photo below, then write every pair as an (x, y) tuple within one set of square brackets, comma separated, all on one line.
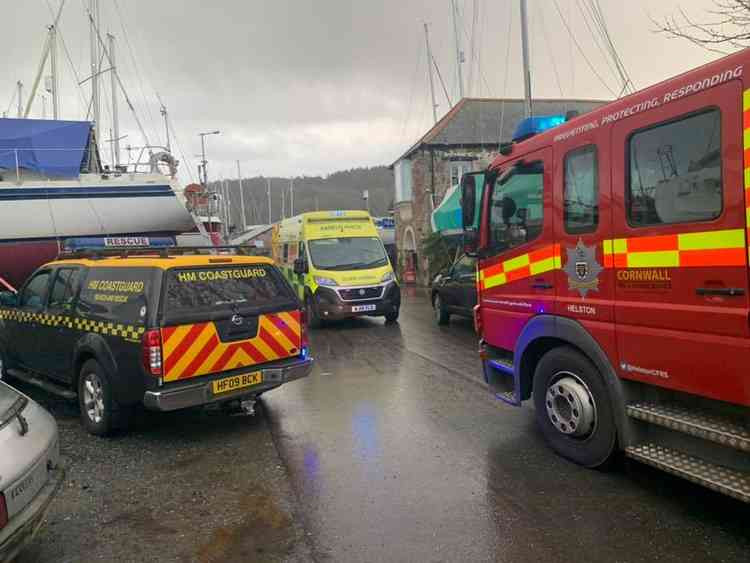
[(454, 292)]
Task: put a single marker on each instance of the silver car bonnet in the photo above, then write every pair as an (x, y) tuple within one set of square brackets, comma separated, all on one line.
[(23, 444)]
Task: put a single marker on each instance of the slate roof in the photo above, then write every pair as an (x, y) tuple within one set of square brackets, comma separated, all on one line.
[(477, 121)]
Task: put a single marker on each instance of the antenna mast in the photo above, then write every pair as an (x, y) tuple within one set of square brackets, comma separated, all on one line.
[(242, 198), (429, 72)]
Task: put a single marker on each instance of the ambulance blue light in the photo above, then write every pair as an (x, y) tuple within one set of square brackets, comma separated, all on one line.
[(534, 125)]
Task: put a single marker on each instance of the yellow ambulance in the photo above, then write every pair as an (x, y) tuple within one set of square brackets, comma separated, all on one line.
[(338, 265)]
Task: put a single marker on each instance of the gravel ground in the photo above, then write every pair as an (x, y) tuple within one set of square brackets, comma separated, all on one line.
[(183, 486)]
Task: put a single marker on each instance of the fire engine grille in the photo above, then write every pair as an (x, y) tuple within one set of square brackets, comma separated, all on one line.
[(361, 293)]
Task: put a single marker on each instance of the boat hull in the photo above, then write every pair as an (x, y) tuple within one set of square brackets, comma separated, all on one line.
[(34, 220)]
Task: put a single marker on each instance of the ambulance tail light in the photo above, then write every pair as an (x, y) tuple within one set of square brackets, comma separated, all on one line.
[(478, 320), (152, 353), (3, 512)]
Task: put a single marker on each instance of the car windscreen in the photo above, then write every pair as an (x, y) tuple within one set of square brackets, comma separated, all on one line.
[(349, 253), (211, 291)]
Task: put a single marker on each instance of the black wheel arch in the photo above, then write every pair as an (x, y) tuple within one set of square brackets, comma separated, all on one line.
[(545, 332), (92, 347)]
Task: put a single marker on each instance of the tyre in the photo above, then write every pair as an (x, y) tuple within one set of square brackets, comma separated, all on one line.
[(573, 408), (3, 366), (442, 316), (313, 320), (95, 399), (392, 317)]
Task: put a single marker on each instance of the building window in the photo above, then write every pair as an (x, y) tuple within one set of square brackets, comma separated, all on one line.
[(675, 171), (517, 210), (458, 169), (402, 176), (581, 199)]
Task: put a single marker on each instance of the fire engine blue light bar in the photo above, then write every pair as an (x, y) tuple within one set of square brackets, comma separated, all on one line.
[(534, 125)]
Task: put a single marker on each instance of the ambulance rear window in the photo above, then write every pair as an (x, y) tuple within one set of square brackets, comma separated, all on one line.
[(226, 288)]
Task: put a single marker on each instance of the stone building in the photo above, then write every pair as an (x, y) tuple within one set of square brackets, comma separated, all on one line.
[(467, 138)]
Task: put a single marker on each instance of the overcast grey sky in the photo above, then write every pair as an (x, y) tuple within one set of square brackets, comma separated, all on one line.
[(314, 86)]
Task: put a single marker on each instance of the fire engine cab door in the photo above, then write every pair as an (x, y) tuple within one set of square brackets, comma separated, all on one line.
[(516, 268), (583, 220), (678, 249)]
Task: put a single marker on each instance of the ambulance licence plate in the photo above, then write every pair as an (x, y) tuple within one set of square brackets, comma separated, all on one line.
[(362, 308), (235, 382)]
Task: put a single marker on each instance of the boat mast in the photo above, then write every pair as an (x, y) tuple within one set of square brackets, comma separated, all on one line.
[(94, 20), (459, 54), (115, 117), (268, 192), (291, 197), (526, 70), (242, 198), (53, 70), (429, 71), (19, 86)]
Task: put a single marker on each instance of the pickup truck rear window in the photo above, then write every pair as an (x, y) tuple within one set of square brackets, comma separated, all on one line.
[(228, 288)]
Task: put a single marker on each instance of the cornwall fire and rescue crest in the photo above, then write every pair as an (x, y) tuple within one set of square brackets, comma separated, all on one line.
[(582, 268)]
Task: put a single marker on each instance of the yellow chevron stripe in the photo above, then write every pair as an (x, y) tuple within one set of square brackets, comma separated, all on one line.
[(178, 336), (191, 352), (276, 334)]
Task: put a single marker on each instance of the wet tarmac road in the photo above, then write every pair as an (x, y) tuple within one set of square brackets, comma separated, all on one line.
[(396, 452)]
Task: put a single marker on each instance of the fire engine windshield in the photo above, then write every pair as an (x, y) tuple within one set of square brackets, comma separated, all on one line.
[(350, 253)]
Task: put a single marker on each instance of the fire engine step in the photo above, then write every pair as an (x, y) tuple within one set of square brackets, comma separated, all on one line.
[(717, 429), (715, 477), (45, 384)]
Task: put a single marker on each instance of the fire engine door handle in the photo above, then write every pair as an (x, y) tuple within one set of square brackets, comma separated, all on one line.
[(541, 284), (728, 291)]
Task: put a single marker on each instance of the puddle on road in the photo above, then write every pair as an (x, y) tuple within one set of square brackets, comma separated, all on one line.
[(265, 533)]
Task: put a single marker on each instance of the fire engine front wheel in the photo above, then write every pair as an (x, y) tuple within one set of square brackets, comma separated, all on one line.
[(573, 408)]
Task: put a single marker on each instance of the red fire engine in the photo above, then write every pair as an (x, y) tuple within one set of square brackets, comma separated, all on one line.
[(613, 276)]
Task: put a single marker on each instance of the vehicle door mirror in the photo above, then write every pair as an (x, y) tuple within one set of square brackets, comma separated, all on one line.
[(8, 299), (468, 201), (300, 266), (471, 242)]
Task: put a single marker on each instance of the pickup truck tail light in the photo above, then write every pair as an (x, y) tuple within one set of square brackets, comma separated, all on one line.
[(3, 512), (152, 352)]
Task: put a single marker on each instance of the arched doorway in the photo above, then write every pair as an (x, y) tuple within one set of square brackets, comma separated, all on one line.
[(410, 255)]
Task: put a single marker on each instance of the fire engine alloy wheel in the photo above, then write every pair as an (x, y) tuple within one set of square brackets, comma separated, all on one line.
[(570, 406), (573, 407)]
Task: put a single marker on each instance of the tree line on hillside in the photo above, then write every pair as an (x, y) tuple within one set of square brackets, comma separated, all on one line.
[(340, 190)]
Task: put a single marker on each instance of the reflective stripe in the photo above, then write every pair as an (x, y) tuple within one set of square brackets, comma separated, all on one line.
[(734, 238), (689, 250), (746, 100)]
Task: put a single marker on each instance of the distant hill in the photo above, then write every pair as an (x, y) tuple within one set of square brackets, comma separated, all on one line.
[(340, 190)]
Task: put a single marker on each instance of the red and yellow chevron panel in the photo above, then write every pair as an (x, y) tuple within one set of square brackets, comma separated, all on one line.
[(684, 250), (195, 350)]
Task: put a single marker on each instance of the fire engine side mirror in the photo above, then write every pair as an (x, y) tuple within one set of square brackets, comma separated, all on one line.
[(468, 201), (471, 242)]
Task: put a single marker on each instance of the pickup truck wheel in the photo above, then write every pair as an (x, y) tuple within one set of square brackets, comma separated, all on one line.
[(573, 408), (442, 316), (3, 366), (95, 399)]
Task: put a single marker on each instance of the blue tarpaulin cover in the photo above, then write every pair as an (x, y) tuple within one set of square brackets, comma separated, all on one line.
[(53, 148)]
